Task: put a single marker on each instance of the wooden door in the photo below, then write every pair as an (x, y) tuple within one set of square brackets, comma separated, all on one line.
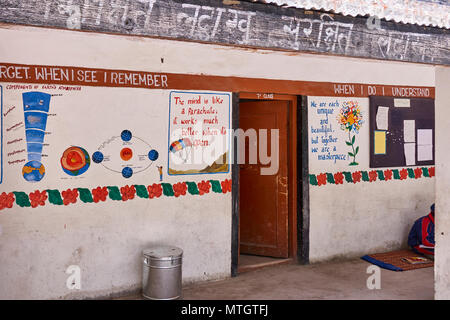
[(263, 215)]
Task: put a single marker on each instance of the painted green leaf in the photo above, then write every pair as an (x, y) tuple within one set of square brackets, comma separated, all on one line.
[(215, 186), (141, 191), (353, 139), (356, 151), (364, 176), (380, 175), (351, 154), (114, 193), (396, 174), (348, 143), (330, 178), (54, 197), (85, 195), (313, 180), (167, 189), (22, 199), (411, 173), (192, 188), (348, 176), (425, 172)]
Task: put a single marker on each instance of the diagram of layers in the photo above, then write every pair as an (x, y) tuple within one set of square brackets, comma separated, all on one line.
[(35, 107)]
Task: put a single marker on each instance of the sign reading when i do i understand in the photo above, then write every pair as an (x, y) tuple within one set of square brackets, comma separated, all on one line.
[(239, 23)]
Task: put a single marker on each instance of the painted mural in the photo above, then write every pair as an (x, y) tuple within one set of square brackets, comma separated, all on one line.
[(199, 125), (338, 133), (339, 145), (65, 145)]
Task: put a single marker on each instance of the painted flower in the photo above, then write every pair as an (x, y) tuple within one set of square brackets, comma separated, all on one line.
[(179, 188), (387, 174), (38, 198), (203, 187), (99, 194), (417, 173), (350, 120), (128, 192), (350, 116), (6, 200), (69, 196), (356, 176), (321, 179), (154, 191), (403, 174), (431, 171), (373, 176), (338, 178), (226, 185)]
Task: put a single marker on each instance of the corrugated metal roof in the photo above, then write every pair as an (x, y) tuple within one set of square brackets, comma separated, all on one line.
[(434, 13)]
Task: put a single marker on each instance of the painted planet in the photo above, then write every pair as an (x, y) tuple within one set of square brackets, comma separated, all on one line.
[(126, 154), (126, 135), (97, 157), (127, 172), (33, 171), (75, 161), (153, 155)]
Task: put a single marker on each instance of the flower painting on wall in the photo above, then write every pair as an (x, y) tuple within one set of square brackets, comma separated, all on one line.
[(350, 119)]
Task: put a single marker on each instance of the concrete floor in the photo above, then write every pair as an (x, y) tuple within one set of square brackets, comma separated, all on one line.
[(337, 280)]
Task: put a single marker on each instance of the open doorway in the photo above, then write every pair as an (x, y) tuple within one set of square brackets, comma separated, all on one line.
[(267, 198)]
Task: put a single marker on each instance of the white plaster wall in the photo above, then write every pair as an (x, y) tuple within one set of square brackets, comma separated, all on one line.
[(37, 245), (352, 220), (442, 232)]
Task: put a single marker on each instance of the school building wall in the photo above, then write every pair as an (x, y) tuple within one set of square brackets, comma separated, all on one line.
[(105, 239), (442, 237)]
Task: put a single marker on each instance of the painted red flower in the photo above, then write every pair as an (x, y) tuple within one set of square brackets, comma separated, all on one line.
[(373, 176), (99, 194), (38, 198), (338, 178), (403, 174), (417, 173), (154, 191), (128, 192), (431, 171), (356, 176), (321, 179), (69, 196), (203, 187), (226, 185), (179, 189), (387, 174), (6, 200)]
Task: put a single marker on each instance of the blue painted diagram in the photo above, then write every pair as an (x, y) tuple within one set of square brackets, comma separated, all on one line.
[(35, 107)]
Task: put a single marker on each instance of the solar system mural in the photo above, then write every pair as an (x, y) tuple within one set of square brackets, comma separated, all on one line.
[(125, 154)]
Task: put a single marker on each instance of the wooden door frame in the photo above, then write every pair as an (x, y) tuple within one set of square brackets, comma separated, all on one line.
[(295, 174)]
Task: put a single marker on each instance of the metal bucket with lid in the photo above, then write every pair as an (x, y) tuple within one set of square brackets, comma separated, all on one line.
[(162, 273)]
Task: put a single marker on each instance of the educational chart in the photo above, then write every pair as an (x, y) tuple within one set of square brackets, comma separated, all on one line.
[(401, 132), (199, 125), (35, 106), (135, 155), (338, 133), (62, 143)]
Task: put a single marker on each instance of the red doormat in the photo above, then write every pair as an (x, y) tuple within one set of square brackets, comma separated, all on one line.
[(396, 260)]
